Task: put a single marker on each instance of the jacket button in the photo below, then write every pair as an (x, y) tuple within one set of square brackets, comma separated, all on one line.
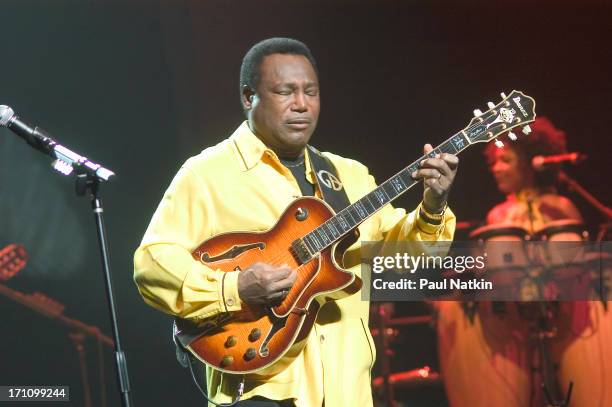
[(229, 301), (322, 338)]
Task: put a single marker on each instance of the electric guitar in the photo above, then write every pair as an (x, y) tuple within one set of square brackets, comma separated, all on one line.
[(310, 237)]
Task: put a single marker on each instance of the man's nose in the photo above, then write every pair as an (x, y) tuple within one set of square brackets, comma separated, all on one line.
[(300, 103)]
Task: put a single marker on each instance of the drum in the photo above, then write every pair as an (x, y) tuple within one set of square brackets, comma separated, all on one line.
[(506, 256), (504, 246), (563, 242), (560, 249)]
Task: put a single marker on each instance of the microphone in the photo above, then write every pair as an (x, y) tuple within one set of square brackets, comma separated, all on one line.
[(541, 162), (65, 160)]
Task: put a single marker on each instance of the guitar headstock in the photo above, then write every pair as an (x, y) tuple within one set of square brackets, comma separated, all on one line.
[(13, 258), (514, 110)]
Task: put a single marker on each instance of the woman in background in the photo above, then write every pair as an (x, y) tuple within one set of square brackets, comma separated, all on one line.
[(488, 357)]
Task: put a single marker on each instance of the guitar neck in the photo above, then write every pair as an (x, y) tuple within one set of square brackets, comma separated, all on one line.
[(353, 215), (515, 110)]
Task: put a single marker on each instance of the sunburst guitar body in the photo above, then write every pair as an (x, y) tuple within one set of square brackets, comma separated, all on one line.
[(253, 339)]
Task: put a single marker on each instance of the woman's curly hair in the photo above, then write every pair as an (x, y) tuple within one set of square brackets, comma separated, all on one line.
[(544, 139)]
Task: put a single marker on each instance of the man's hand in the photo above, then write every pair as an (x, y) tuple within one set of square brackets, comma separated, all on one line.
[(438, 175), (264, 284)]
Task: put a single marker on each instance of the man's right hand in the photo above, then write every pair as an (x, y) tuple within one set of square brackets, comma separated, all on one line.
[(264, 284)]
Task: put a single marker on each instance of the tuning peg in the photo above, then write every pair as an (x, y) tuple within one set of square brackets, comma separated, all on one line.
[(503, 95), (512, 136), (477, 112), (526, 129), (499, 143), (491, 105)]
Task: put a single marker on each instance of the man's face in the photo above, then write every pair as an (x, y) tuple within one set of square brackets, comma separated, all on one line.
[(284, 109)]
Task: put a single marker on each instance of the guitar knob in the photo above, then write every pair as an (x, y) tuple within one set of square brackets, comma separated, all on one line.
[(231, 341), (512, 136), (503, 95), (227, 360), (499, 143), (255, 334), (301, 214), (250, 354), (491, 105), (477, 112), (526, 129)]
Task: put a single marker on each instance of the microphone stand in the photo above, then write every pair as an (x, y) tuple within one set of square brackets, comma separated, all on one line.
[(573, 185), (88, 182), (89, 176)]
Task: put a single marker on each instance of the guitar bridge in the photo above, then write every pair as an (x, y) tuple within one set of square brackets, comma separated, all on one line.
[(300, 251)]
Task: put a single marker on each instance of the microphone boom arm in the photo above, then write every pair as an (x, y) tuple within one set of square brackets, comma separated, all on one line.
[(66, 160)]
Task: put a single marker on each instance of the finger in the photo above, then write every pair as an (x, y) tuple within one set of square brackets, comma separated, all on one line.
[(427, 148), (279, 273), (284, 284), (277, 297), (451, 160), (427, 173), (438, 164)]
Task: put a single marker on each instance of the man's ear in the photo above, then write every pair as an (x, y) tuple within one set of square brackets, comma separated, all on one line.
[(247, 97)]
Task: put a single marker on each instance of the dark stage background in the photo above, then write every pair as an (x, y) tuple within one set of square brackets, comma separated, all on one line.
[(142, 86)]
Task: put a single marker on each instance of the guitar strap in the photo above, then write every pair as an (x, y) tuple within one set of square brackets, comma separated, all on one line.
[(332, 189)]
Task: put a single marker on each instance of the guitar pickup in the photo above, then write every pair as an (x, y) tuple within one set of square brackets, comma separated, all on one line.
[(300, 251)]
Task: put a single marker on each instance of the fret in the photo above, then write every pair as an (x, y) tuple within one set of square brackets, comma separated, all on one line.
[(332, 228), (397, 184), (317, 241), (412, 168), (317, 244), (380, 195), (331, 231), (407, 180), (337, 227), (342, 221), (388, 190), (361, 210), (323, 235), (309, 244), (353, 217), (373, 204), (458, 142), (367, 204)]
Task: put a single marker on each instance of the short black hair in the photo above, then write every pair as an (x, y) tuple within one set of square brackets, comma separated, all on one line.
[(249, 71)]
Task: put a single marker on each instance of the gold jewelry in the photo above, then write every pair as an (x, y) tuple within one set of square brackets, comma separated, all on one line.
[(433, 218)]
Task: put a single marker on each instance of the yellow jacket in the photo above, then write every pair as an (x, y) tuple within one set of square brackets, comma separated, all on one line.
[(240, 184)]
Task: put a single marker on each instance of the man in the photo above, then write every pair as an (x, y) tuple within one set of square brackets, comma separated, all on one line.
[(245, 183)]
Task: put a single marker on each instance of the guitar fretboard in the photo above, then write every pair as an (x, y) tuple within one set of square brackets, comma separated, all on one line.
[(353, 215)]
